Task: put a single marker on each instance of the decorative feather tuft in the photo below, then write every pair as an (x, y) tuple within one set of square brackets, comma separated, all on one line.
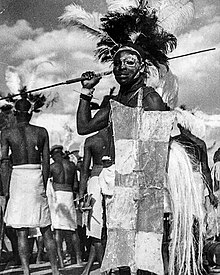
[(37, 101), (20, 80), (12, 79), (175, 15), (75, 15)]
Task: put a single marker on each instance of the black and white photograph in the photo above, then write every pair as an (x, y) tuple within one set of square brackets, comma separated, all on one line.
[(110, 137)]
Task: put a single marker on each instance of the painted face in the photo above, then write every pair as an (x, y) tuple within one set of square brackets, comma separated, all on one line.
[(126, 67)]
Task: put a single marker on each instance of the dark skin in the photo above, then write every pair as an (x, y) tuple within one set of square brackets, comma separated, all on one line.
[(197, 147), (29, 144), (64, 172), (95, 148), (127, 69)]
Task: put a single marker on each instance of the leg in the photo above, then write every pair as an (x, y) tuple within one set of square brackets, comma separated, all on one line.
[(12, 236), (68, 241), (166, 240), (31, 247), (23, 247), (40, 249), (99, 251), (50, 245), (92, 256), (59, 242), (81, 240), (76, 246)]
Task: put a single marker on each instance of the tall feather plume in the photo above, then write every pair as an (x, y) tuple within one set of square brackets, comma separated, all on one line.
[(75, 15), (13, 80), (21, 80), (119, 5), (175, 15), (139, 24)]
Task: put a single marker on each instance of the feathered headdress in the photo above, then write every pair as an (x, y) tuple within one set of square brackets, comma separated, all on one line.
[(135, 23), (138, 28), (20, 81)]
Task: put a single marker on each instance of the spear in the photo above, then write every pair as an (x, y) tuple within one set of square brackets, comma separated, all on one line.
[(187, 54), (78, 79), (70, 81)]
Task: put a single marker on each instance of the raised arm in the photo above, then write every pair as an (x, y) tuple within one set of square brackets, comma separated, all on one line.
[(85, 123)]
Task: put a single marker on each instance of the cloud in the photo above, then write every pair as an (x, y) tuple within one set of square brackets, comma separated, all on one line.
[(53, 56), (199, 74)]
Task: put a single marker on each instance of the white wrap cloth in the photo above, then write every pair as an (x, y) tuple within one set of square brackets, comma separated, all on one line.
[(28, 204), (95, 219), (62, 208)]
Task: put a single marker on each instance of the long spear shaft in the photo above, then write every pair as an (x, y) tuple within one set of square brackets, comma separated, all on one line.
[(187, 54), (70, 81), (78, 79)]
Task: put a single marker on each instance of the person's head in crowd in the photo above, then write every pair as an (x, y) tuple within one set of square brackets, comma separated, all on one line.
[(56, 152)]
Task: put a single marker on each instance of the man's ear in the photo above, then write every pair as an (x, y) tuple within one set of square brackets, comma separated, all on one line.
[(142, 67)]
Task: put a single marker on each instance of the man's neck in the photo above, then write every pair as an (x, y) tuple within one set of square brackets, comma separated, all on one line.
[(22, 122), (132, 86)]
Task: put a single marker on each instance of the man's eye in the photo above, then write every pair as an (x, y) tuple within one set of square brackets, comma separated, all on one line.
[(129, 62)]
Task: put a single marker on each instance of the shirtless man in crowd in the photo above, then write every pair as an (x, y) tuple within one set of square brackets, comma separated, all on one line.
[(27, 205), (64, 182), (95, 148)]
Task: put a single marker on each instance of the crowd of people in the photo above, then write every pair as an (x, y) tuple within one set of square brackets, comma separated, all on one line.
[(45, 196), (113, 212)]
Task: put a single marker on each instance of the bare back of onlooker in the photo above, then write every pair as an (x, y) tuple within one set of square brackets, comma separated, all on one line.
[(64, 183), (27, 205)]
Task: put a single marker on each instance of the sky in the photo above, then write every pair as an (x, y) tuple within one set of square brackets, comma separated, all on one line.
[(31, 36)]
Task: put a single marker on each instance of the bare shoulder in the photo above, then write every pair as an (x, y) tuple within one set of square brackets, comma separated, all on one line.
[(149, 92), (69, 163), (39, 129), (152, 101)]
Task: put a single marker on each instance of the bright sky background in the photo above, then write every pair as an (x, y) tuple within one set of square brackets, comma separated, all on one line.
[(30, 34)]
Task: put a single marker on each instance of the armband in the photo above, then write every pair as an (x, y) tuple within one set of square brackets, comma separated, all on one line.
[(87, 94), (86, 97)]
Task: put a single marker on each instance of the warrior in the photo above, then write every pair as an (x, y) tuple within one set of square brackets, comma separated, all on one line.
[(133, 39)]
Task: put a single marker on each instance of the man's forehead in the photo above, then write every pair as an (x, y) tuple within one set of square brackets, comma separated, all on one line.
[(127, 54)]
